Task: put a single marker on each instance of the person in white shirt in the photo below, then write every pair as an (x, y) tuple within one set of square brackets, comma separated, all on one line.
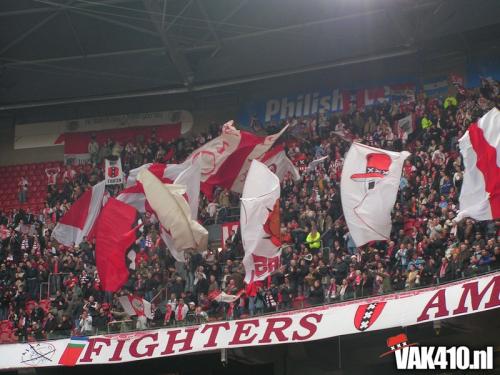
[(85, 323), (52, 174), (181, 310)]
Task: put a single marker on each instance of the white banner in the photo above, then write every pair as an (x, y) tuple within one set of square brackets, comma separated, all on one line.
[(260, 222), (114, 172), (368, 189), (316, 323)]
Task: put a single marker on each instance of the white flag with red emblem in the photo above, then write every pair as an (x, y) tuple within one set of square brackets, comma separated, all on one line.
[(113, 172), (260, 222), (480, 148), (134, 305), (225, 160), (369, 186), (79, 220)]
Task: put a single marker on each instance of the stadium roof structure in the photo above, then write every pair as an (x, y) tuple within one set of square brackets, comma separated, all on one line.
[(63, 51)]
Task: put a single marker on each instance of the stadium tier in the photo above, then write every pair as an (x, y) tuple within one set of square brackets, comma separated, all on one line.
[(35, 173), (188, 180)]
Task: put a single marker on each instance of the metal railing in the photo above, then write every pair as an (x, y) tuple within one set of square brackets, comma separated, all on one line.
[(129, 325)]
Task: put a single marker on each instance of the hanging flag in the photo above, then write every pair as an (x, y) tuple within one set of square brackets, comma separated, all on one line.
[(312, 165), (113, 172), (73, 350), (278, 163), (225, 160), (368, 186), (80, 219), (260, 222), (134, 305), (480, 148), (174, 213), (115, 233)]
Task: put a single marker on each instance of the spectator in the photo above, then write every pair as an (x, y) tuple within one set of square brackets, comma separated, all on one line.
[(23, 190), (85, 324)]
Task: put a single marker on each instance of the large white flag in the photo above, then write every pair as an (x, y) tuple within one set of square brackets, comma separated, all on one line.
[(174, 213), (79, 220), (369, 186), (480, 148), (191, 179), (260, 222)]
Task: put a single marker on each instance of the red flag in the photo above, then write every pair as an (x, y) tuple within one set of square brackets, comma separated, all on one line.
[(115, 234)]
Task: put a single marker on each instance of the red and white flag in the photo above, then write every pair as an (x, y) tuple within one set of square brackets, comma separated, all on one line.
[(225, 160), (115, 233), (134, 305), (80, 219), (260, 222), (133, 194), (165, 172), (277, 161), (480, 148), (369, 186)]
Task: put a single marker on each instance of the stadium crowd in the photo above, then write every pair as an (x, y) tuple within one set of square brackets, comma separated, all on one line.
[(319, 262)]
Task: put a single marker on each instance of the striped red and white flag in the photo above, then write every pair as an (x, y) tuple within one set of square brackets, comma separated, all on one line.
[(225, 160), (480, 148), (79, 221), (133, 194)]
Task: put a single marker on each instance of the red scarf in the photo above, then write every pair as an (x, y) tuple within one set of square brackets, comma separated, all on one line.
[(179, 311)]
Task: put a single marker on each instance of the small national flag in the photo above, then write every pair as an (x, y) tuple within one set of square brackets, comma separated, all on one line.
[(73, 350)]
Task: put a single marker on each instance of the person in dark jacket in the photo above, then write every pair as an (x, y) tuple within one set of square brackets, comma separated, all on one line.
[(50, 325), (63, 329), (100, 321), (316, 293)]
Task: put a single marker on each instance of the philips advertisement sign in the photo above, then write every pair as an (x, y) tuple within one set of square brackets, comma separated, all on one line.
[(302, 105), (325, 101)]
